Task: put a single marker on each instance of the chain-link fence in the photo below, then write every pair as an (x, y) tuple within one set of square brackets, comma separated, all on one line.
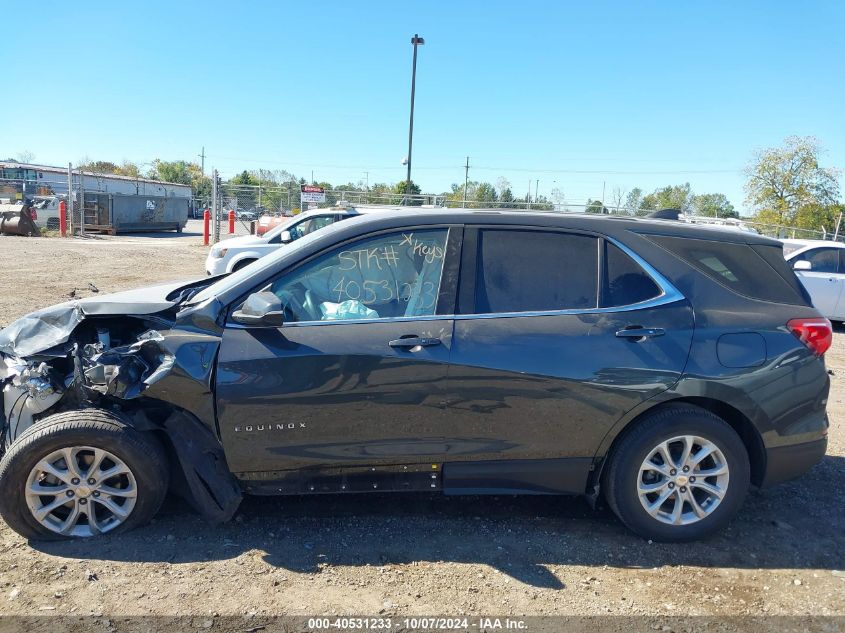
[(251, 202)]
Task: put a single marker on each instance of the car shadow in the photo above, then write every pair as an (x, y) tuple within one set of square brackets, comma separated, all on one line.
[(795, 525)]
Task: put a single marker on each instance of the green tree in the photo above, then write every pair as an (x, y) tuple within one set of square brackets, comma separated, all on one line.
[(402, 188), (596, 206), (715, 205), (127, 168), (820, 217), (478, 195), (485, 194), (634, 201), (672, 197), (177, 171), (243, 178), (99, 167), (782, 180)]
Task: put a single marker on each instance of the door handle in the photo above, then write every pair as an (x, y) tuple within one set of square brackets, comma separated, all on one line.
[(414, 341), (640, 333)]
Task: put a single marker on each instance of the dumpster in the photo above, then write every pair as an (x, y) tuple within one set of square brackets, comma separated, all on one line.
[(115, 213)]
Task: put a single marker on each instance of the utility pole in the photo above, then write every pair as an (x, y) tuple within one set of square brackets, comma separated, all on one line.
[(289, 190), (536, 190), (529, 193), (202, 163), (215, 207), (70, 205), (415, 41), (603, 184), (466, 181)]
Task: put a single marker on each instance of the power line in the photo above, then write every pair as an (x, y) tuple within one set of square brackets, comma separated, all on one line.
[(599, 172)]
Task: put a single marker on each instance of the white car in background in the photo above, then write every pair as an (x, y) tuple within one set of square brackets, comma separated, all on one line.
[(236, 252), (820, 265)]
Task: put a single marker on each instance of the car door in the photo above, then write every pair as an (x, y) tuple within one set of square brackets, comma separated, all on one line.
[(557, 335), (824, 280), (355, 375)]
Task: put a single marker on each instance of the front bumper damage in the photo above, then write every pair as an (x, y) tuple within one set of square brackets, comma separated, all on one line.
[(117, 355)]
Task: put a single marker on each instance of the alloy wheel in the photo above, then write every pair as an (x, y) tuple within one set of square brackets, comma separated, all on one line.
[(683, 480), (81, 491)]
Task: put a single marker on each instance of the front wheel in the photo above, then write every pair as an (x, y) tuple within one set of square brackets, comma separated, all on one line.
[(81, 474), (242, 264), (680, 474)]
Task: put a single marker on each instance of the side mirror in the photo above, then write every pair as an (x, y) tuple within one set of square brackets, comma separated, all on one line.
[(261, 309), (802, 264), (286, 237)]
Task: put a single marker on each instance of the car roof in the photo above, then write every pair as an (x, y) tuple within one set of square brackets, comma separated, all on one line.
[(577, 221), (393, 219)]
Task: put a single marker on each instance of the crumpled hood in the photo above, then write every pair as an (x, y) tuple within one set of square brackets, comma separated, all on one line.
[(48, 327)]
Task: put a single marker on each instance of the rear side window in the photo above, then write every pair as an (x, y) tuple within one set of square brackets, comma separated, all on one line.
[(625, 282), (758, 271), (522, 271)]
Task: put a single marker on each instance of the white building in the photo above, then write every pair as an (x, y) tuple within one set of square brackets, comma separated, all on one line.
[(19, 179)]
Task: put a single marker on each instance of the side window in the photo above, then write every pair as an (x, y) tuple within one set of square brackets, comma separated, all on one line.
[(310, 225), (625, 282), (522, 271), (822, 260), (386, 276), (749, 270)]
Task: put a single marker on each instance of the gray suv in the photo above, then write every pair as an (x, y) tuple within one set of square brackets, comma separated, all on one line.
[(662, 366)]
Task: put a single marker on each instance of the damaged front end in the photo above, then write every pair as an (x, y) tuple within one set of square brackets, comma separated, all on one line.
[(55, 360), (130, 357)]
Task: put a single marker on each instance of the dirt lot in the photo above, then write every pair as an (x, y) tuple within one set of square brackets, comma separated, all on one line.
[(407, 554)]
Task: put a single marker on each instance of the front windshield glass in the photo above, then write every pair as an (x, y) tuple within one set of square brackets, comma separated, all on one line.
[(235, 278)]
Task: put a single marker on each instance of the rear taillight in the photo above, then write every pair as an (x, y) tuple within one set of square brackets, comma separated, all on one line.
[(815, 333)]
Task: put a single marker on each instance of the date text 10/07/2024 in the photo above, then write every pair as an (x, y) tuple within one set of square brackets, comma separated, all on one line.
[(416, 624)]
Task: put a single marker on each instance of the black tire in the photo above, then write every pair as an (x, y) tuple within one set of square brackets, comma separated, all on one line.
[(623, 472), (242, 264), (141, 452)]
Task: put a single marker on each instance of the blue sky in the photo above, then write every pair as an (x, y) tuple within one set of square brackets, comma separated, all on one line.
[(579, 96)]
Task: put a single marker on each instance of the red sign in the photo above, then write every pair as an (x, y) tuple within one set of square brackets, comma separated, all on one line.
[(311, 189)]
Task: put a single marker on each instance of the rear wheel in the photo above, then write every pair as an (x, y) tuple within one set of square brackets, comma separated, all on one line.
[(680, 474), (80, 474)]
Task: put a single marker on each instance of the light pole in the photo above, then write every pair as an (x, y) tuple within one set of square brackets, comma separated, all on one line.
[(415, 41)]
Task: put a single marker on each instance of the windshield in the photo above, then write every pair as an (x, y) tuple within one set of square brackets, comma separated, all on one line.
[(256, 269)]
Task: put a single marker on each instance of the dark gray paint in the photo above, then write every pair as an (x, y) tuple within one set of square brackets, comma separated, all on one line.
[(541, 388)]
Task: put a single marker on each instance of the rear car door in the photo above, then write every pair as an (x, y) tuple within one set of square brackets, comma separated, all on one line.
[(824, 281), (355, 375), (558, 334)]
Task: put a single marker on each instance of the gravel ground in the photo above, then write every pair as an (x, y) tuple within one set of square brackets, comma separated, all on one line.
[(403, 554)]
